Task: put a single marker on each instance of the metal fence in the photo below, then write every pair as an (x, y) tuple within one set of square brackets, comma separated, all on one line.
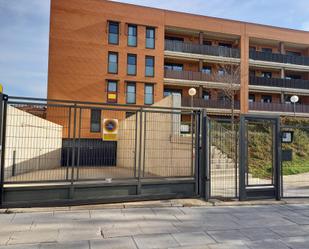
[(54, 143), (223, 162), (281, 58), (295, 166), (178, 46)]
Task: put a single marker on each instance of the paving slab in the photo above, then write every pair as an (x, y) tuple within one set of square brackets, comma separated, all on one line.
[(155, 241), (231, 236), (21, 246), (113, 243), (67, 245), (194, 238), (32, 237), (267, 244)]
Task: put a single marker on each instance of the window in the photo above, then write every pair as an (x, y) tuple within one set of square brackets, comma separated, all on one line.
[(131, 93), (252, 73), (169, 92), (148, 98), (132, 35), (172, 38), (131, 64), (113, 33), (208, 43), (293, 77), (266, 99), (252, 48), (149, 66), (173, 66), (150, 37), (95, 120), (293, 53), (221, 72), (112, 62), (112, 91), (206, 70), (227, 45), (251, 98), (206, 95), (267, 50), (223, 97), (267, 75)]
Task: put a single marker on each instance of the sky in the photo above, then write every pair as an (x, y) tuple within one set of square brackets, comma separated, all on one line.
[(24, 32)]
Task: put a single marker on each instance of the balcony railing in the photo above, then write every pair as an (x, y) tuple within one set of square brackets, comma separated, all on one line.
[(178, 46), (278, 107), (215, 104), (188, 75), (281, 58), (193, 76), (274, 82)]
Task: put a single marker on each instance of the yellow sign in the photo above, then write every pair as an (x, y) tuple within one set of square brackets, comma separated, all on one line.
[(1, 88), (110, 129), (112, 96)]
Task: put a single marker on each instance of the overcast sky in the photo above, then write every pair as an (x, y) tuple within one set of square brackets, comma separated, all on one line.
[(24, 29)]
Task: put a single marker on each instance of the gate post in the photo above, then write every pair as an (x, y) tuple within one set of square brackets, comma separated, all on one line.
[(204, 165), (3, 116), (242, 160)]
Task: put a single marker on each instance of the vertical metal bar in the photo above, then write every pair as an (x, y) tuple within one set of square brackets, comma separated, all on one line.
[(139, 186), (236, 163), (209, 140), (73, 155), (242, 160), (192, 143), (68, 146), (14, 163), (136, 143), (278, 160), (3, 117), (204, 172), (144, 146), (197, 150), (79, 143)]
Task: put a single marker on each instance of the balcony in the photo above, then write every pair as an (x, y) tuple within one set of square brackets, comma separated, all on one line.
[(279, 58), (177, 46), (188, 75), (213, 104), (277, 82), (278, 107)]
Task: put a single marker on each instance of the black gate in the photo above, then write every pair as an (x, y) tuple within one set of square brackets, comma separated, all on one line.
[(260, 157), (53, 152)]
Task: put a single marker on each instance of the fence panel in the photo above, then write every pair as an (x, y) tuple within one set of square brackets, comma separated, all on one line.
[(169, 145), (33, 147), (295, 171), (223, 148)]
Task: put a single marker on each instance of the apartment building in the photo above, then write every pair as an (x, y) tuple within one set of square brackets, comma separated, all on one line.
[(104, 51)]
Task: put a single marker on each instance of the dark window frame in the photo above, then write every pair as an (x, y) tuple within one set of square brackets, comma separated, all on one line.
[(108, 57), (92, 116), (127, 85), (109, 32), (154, 37), (108, 100), (135, 56), (136, 36), (146, 94), (153, 59)]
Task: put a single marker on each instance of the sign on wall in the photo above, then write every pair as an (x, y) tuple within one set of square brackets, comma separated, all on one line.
[(110, 129)]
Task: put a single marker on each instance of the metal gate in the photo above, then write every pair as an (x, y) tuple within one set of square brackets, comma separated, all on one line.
[(223, 159), (53, 152), (260, 159), (295, 158)]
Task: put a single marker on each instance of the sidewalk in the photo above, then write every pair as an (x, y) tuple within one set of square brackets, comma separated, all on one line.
[(165, 224)]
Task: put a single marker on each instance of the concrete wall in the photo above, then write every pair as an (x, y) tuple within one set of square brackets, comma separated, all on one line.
[(36, 142), (167, 153)]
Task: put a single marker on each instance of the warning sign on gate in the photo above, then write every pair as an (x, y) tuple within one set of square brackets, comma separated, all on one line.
[(110, 129)]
